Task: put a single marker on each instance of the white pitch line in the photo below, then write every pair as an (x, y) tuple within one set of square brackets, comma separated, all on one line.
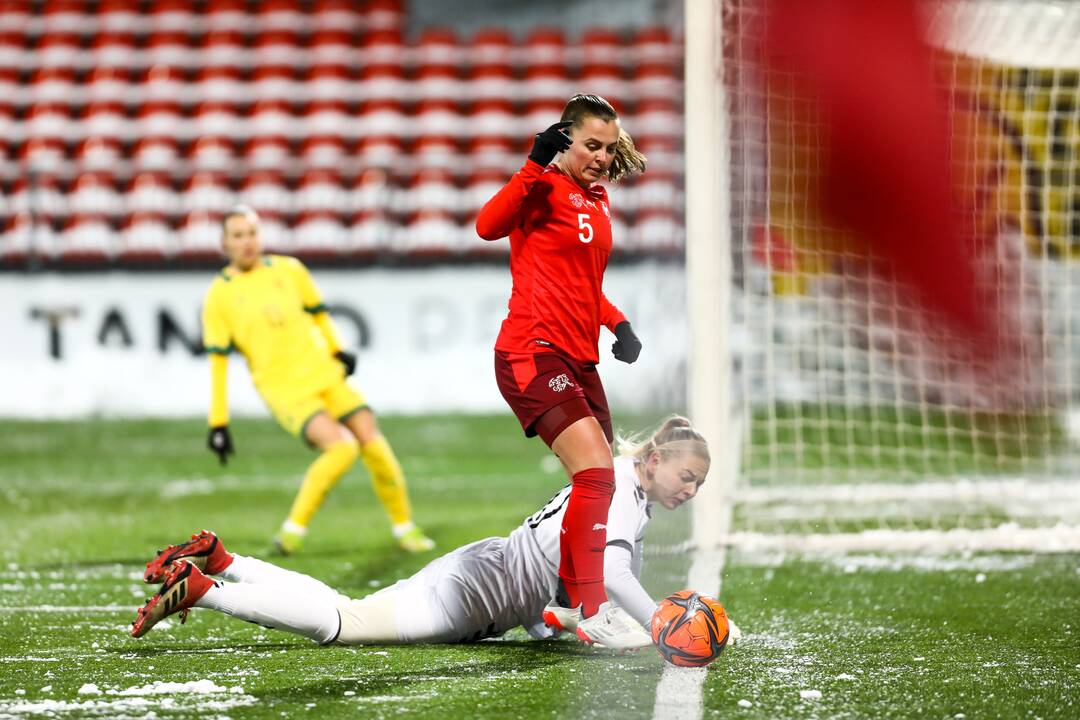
[(66, 608)]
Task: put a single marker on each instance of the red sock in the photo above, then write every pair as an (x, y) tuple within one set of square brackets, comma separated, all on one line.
[(584, 536)]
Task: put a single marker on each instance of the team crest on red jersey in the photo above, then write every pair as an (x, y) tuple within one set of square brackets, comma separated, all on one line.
[(579, 201)]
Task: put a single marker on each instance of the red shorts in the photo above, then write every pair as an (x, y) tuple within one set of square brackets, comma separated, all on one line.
[(534, 383)]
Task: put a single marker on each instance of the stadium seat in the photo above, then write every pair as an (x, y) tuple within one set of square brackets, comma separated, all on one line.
[(438, 47), (221, 84), (545, 47), (370, 233), (38, 194), (56, 50), (335, 15), (270, 118), (279, 47), (491, 47), (492, 82), (276, 83), (227, 16), (86, 239), (26, 236), (480, 187), (277, 237), (161, 118), (268, 152), (436, 152), (429, 234), (656, 231), (169, 47), (103, 119), (437, 82), (110, 84), (603, 46), (174, 16), (494, 154), (218, 118), (605, 80), (98, 154), (223, 47), (323, 152), (13, 52), (383, 151), (118, 16), (329, 117), (212, 153), (199, 237), (50, 121), (267, 193), (332, 46), (146, 237), (156, 154), (95, 194), (18, 17), (321, 191), (382, 83), (383, 47), (116, 49), (546, 83), (657, 81), (655, 190), (372, 192), (384, 117), (656, 118), (319, 234), (207, 191), (329, 81), (439, 117), (9, 168), (165, 83), (663, 151), (383, 15), (655, 45), (151, 192), (55, 85), (65, 16), (493, 118), (539, 114), (431, 189), (12, 92), (281, 16)]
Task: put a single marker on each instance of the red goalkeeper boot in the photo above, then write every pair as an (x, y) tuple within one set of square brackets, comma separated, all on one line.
[(203, 550), (184, 585)]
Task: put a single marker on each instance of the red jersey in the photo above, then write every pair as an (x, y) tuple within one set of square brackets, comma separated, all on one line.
[(560, 240)]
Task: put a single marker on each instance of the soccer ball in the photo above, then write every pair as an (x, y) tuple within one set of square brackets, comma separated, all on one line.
[(690, 629)]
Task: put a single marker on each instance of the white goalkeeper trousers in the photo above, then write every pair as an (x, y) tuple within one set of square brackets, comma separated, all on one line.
[(462, 596)]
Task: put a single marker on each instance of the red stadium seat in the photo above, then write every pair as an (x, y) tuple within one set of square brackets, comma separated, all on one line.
[(372, 192), (323, 152), (86, 239), (432, 189), (273, 118), (199, 237), (26, 235), (58, 50), (13, 52), (119, 16), (11, 92), (657, 81), (491, 47), (382, 15), (343, 15), (545, 47), (663, 152), (40, 195), (382, 83), (656, 231), (430, 233), (174, 16), (152, 192), (267, 193), (276, 236), (370, 233), (110, 84), (98, 154), (439, 117), (438, 47), (329, 82), (437, 82), (332, 46), (281, 16), (319, 234), (656, 118), (493, 118), (9, 169), (383, 47), (169, 47), (227, 15), (146, 237), (207, 191), (481, 187), (380, 151), (65, 16), (494, 153), (603, 46), (268, 152), (95, 194), (166, 83), (104, 119), (155, 154), (115, 49), (54, 85), (212, 153), (655, 190), (328, 117), (221, 84), (655, 45), (220, 119), (321, 191), (385, 117), (17, 15), (50, 121), (539, 114), (223, 47), (161, 119), (546, 83), (606, 81), (493, 82), (435, 152), (275, 82), (279, 47)]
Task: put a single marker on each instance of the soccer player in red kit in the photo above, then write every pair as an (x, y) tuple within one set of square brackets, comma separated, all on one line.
[(559, 223)]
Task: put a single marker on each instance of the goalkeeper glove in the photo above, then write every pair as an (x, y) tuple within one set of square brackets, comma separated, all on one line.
[(550, 143), (347, 359), (220, 442), (627, 347)]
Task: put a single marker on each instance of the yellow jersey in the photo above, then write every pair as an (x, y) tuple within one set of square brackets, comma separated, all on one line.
[(274, 315)]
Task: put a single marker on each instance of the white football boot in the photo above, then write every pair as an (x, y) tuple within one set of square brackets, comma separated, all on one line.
[(612, 628)]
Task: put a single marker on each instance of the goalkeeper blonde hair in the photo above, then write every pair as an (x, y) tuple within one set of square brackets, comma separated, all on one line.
[(627, 159), (675, 435)]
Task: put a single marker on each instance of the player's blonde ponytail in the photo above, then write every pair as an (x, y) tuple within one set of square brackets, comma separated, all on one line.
[(675, 435), (627, 160)]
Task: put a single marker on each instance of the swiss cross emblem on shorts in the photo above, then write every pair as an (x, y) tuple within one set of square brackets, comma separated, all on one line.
[(559, 382)]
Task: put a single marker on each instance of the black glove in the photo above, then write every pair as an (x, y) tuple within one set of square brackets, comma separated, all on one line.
[(627, 347), (550, 143), (347, 359), (220, 442)]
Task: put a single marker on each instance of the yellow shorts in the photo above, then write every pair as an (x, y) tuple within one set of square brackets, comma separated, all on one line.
[(293, 412)]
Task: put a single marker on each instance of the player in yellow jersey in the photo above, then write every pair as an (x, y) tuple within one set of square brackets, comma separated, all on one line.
[(268, 308)]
